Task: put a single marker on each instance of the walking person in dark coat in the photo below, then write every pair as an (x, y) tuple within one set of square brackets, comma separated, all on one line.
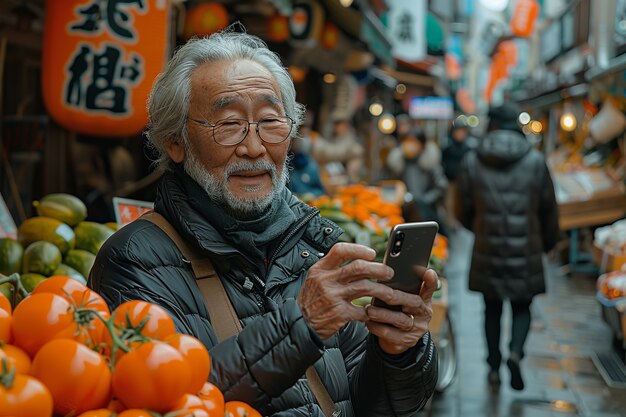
[(451, 157), (507, 199)]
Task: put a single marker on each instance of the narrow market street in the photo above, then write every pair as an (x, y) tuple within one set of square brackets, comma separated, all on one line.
[(560, 375)]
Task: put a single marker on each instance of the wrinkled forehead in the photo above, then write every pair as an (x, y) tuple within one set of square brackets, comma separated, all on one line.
[(223, 84)]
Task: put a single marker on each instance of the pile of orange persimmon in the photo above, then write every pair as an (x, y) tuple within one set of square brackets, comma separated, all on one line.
[(62, 352)]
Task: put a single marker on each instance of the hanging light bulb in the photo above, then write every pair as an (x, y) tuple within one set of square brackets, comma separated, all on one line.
[(523, 118), (568, 122), (387, 124), (376, 109)]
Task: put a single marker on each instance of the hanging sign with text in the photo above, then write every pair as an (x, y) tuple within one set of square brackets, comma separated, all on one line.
[(100, 58)]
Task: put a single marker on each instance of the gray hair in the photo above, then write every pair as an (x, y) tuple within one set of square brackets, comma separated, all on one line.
[(169, 99)]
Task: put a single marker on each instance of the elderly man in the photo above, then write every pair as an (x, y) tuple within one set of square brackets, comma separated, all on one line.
[(221, 117)]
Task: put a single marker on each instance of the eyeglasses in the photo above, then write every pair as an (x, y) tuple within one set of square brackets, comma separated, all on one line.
[(229, 132)]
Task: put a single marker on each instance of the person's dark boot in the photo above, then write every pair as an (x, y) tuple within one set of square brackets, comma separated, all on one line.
[(493, 378), (517, 382)]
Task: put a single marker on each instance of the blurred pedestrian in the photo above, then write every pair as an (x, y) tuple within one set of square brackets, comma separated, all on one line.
[(507, 199), (342, 148), (418, 163), (304, 171), (451, 157)]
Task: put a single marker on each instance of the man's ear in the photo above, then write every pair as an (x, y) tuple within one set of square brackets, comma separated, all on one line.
[(176, 150)]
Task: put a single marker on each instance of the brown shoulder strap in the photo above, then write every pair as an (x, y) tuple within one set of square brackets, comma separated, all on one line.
[(221, 312)]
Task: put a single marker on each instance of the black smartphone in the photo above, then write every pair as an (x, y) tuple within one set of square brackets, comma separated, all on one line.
[(408, 252)]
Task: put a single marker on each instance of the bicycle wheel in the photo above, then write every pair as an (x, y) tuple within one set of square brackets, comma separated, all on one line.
[(446, 355)]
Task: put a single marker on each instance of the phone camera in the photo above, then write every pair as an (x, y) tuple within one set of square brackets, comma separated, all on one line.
[(397, 244)]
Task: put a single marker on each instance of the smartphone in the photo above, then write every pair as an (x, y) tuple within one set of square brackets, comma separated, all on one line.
[(408, 252)]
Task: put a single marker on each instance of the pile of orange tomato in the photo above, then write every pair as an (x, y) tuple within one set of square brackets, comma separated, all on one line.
[(62, 352)]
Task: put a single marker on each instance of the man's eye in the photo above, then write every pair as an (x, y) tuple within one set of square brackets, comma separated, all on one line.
[(230, 123)]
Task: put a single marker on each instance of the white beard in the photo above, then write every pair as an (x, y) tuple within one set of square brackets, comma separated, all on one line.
[(239, 207)]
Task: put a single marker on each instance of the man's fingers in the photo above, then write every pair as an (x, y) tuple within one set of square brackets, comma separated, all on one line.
[(429, 285)]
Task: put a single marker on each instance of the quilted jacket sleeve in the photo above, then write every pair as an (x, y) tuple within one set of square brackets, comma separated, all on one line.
[(378, 388)]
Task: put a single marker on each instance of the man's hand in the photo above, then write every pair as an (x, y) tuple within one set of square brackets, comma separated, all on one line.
[(398, 331), (344, 274)]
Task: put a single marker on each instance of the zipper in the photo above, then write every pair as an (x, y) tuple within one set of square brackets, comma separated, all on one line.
[(289, 235)]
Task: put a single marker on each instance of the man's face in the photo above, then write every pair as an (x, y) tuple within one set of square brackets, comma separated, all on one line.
[(460, 134), (245, 177)]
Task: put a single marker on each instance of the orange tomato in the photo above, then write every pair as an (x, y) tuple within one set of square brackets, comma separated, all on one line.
[(5, 304), (192, 413), (239, 409), (74, 292), (136, 412), (78, 378), (195, 354), (101, 412), (158, 325), (213, 399), (154, 376), (116, 405), (6, 326), (25, 397), (16, 357), (80, 297), (189, 402), (40, 318)]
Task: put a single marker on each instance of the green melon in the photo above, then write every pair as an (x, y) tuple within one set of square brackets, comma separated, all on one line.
[(66, 208), (90, 236), (48, 229), (80, 260), (41, 258), (7, 289), (68, 271), (11, 252), (31, 280), (113, 226)]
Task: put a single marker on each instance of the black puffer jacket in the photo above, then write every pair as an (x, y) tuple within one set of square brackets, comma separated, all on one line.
[(507, 199), (265, 363)]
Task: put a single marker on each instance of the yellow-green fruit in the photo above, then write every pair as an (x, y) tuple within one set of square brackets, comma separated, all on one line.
[(11, 252), (66, 208), (68, 271), (113, 226), (42, 258), (80, 260), (31, 280), (8, 289), (362, 301), (47, 229), (90, 236)]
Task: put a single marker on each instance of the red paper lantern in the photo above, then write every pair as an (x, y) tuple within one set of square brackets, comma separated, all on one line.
[(278, 28), (330, 35), (524, 17), (98, 67), (205, 19)]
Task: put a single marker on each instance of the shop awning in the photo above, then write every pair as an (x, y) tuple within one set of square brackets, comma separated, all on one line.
[(361, 24)]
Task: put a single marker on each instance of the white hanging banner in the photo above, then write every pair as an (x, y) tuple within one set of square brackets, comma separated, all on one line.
[(406, 21)]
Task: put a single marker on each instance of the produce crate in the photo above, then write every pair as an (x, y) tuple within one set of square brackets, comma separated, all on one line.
[(614, 314), (607, 261)]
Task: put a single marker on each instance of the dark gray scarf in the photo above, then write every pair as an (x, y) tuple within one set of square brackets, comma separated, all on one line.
[(253, 237)]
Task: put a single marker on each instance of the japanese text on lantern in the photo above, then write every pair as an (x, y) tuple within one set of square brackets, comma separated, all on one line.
[(100, 60)]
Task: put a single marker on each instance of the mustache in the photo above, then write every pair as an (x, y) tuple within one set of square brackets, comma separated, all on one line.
[(245, 166)]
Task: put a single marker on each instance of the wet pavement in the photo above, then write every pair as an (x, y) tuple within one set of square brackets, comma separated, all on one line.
[(560, 375)]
